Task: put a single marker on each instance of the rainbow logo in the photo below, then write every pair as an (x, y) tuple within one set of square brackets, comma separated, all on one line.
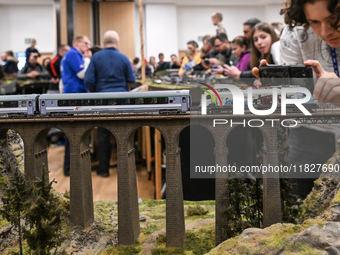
[(213, 90)]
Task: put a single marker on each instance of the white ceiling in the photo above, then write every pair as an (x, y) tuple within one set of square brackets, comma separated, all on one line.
[(177, 2)]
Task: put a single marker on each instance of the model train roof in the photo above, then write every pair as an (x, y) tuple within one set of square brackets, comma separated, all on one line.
[(167, 93)]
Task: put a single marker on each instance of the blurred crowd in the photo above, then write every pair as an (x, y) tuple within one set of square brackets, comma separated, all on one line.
[(218, 56)]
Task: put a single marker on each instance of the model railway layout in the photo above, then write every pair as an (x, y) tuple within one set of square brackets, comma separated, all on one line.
[(169, 102)]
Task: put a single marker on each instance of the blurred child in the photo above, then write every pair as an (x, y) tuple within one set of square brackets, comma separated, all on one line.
[(191, 63)]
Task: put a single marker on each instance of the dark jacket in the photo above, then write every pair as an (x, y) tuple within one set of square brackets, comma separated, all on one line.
[(248, 77), (22, 75), (11, 66), (53, 67), (227, 57), (163, 66), (109, 71)]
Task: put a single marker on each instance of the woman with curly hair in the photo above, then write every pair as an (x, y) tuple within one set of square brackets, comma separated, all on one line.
[(312, 37)]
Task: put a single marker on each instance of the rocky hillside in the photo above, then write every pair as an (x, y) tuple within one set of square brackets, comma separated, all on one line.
[(317, 233)]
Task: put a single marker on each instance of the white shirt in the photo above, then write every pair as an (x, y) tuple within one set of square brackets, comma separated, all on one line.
[(299, 45)]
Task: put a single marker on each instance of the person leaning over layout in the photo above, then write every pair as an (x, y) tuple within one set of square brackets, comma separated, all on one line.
[(312, 38)]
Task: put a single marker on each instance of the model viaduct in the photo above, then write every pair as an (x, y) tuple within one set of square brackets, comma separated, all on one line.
[(33, 132)]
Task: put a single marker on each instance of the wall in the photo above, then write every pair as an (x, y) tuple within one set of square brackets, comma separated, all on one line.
[(83, 19), (196, 21), (18, 22), (119, 16), (161, 30), (163, 23)]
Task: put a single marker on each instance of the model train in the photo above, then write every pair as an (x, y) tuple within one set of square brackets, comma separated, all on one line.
[(66, 104), (163, 102)]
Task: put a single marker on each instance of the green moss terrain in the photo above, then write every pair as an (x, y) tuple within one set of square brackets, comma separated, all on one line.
[(316, 211), (101, 237), (278, 237), (103, 233), (198, 241)]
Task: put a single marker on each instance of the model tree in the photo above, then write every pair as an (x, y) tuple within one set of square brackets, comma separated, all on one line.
[(44, 218), (16, 200)]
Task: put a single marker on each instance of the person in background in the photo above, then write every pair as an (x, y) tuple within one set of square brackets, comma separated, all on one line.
[(190, 64), (94, 49), (73, 67), (191, 46), (174, 62), (2, 75), (278, 27), (45, 62), (54, 67), (33, 70), (217, 21), (135, 63), (3, 58), (263, 45), (152, 64), (239, 49), (109, 71), (10, 64), (247, 29), (32, 49), (161, 64), (208, 46), (148, 70), (225, 55)]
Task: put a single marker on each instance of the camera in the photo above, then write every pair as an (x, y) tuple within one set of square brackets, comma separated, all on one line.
[(206, 62), (282, 75)]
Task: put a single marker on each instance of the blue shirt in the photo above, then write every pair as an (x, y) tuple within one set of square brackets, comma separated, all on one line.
[(71, 64), (109, 71)]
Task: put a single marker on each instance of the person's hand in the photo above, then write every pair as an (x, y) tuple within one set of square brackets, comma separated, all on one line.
[(218, 70), (33, 74), (256, 73), (88, 54), (255, 70), (54, 80), (327, 87), (232, 71)]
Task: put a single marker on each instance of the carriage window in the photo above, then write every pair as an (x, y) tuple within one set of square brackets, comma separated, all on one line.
[(9, 104)]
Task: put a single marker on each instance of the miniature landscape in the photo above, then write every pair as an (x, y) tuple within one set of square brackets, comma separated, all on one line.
[(317, 230)]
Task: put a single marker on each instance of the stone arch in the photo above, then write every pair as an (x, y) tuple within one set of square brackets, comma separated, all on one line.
[(262, 129), (197, 144), (39, 148), (271, 184), (128, 212)]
